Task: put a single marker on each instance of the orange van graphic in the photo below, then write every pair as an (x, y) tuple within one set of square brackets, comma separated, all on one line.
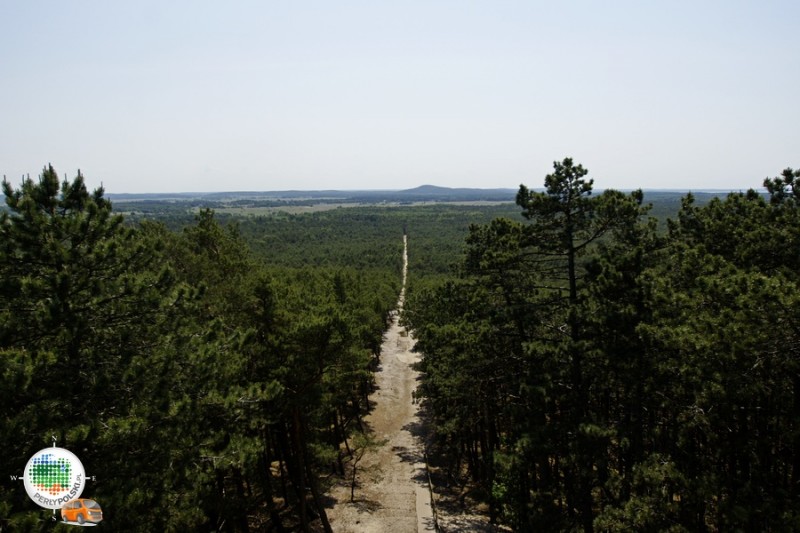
[(81, 510)]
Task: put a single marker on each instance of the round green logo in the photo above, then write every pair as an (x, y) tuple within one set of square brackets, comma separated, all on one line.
[(53, 477)]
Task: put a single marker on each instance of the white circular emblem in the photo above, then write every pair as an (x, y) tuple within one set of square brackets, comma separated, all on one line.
[(54, 476)]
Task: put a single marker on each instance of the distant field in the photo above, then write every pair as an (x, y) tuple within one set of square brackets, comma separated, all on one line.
[(237, 203), (181, 207), (316, 208), (290, 209)]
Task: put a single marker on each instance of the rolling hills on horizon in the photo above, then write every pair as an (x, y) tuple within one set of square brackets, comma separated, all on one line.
[(420, 193)]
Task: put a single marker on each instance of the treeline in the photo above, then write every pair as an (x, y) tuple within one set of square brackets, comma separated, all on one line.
[(356, 237), (586, 371), (204, 389)]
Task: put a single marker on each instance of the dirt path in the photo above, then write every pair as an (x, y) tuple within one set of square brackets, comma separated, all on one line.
[(393, 495)]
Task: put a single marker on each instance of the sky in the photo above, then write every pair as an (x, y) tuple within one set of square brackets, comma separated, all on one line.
[(194, 96)]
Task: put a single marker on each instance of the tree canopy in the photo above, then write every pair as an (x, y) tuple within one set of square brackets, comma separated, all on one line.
[(585, 366), (621, 377), (202, 388)]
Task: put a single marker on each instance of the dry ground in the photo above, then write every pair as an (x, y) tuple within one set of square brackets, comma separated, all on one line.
[(393, 495)]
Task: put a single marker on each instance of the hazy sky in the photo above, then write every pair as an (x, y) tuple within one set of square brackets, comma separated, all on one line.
[(149, 96)]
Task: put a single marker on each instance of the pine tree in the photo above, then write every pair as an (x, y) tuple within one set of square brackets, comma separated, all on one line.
[(83, 304)]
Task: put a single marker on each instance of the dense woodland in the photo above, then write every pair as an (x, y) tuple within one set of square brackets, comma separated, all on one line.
[(586, 371), (205, 389), (587, 365)]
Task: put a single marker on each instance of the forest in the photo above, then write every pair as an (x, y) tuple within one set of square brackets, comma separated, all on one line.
[(586, 371), (591, 361), (202, 388)]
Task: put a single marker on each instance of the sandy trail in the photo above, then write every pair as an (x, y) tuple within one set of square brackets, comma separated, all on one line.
[(392, 496)]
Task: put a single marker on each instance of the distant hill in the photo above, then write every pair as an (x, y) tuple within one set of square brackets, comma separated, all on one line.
[(434, 191)]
